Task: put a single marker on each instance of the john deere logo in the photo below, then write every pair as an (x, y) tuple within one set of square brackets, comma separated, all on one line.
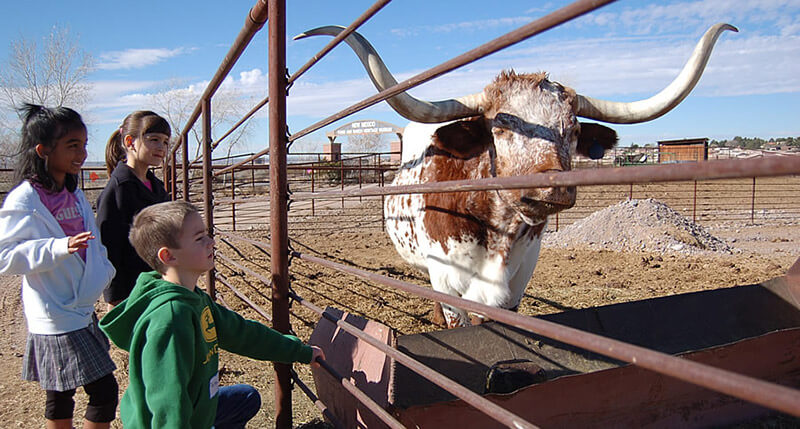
[(207, 324)]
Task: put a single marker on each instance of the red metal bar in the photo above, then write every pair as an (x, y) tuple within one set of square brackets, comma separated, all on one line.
[(313, 170), (490, 408), (558, 17), (753, 203), (278, 208), (347, 384), (253, 176), (723, 169), (252, 24), (247, 116), (329, 416), (239, 294), (174, 174), (208, 195), (769, 395), (233, 198), (694, 203), (185, 168), (341, 176)]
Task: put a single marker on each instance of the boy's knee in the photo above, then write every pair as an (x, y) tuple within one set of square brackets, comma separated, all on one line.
[(103, 399), (59, 405), (252, 398)]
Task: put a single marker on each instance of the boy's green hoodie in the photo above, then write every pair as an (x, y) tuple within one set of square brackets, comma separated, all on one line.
[(173, 337)]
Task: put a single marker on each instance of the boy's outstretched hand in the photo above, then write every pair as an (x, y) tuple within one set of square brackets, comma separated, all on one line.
[(316, 353), (79, 241)]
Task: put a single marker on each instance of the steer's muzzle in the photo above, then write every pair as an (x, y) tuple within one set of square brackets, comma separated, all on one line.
[(542, 202), (561, 196)]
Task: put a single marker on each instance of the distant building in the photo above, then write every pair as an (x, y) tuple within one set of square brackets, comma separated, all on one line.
[(683, 150)]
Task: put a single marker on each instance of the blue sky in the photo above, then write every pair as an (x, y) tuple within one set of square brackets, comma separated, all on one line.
[(625, 51)]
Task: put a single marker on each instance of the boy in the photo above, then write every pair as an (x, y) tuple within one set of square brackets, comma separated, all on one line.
[(173, 331)]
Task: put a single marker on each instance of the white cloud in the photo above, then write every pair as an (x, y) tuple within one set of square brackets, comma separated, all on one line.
[(253, 77), (664, 18), (136, 58)]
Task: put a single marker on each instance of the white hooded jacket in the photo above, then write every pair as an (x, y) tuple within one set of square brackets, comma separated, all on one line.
[(59, 289)]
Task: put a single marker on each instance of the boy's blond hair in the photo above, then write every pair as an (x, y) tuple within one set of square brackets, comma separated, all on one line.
[(159, 226)]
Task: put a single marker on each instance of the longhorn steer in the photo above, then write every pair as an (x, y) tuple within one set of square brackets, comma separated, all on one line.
[(483, 246)]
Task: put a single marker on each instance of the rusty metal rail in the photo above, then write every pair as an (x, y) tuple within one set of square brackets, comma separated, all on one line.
[(369, 13), (239, 294), (347, 384), (560, 16), (490, 408), (317, 402), (724, 169), (256, 19), (769, 395)]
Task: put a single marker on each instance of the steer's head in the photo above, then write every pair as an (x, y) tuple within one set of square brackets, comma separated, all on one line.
[(530, 122), (531, 127)]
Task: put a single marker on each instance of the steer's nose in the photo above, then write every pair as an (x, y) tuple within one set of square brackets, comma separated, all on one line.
[(562, 196)]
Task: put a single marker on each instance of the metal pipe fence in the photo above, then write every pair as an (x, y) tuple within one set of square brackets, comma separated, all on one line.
[(767, 394)]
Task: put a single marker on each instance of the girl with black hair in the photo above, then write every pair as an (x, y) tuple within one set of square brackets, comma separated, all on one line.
[(47, 234)]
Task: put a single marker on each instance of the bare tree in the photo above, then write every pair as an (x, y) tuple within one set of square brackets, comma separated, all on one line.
[(365, 142), (177, 101), (8, 142), (50, 72)]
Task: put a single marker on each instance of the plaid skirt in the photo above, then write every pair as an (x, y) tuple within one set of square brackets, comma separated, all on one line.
[(66, 361)]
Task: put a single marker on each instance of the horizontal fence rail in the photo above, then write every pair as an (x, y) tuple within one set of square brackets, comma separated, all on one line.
[(764, 167), (769, 395), (470, 397)]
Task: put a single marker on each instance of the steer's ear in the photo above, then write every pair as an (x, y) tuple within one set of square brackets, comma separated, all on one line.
[(463, 139), (595, 140)]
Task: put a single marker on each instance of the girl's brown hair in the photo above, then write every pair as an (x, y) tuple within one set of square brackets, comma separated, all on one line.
[(136, 125)]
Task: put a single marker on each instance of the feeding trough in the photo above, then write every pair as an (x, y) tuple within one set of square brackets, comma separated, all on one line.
[(752, 330)]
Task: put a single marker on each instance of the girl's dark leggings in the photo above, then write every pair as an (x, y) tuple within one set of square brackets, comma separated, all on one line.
[(103, 397)]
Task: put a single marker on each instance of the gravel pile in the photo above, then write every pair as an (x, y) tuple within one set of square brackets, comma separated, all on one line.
[(638, 225)]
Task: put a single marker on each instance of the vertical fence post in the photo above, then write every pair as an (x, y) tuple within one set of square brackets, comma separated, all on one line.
[(233, 199), (253, 175), (359, 177), (276, 11), (174, 174), (383, 197), (185, 167), (630, 193), (753, 202), (313, 172), (208, 196), (341, 176), (694, 203)]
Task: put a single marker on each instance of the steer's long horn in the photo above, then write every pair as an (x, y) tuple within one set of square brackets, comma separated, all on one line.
[(405, 105), (664, 101)]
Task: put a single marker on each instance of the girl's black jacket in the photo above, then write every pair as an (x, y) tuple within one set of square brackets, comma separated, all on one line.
[(123, 197)]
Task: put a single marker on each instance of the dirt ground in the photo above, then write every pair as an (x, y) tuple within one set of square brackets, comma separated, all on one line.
[(565, 278)]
